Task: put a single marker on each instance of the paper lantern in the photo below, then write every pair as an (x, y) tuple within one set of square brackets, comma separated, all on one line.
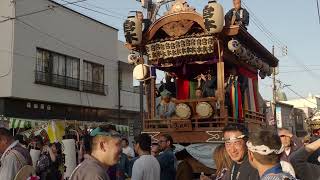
[(259, 63), (132, 58), (234, 45), (69, 151), (270, 71), (132, 28), (262, 74), (213, 16), (141, 72), (241, 52)]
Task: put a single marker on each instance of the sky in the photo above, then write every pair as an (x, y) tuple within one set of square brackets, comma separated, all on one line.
[(290, 23)]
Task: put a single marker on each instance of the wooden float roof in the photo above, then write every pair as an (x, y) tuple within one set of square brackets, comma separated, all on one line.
[(236, 32)]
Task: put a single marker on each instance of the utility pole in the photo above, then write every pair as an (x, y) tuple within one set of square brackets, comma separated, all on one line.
[(274, 92)]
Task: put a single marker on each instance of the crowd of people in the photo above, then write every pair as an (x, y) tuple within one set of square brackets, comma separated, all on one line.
[(104, 155), (265, 155)]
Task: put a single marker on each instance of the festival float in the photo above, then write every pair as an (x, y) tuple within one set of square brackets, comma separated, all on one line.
[(212, 69)]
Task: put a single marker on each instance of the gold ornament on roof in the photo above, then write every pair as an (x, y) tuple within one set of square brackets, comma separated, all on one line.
[(180, 6)]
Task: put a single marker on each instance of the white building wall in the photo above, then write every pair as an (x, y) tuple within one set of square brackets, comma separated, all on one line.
[(76, 32), (6, 47), (311, 102), (129, 99)]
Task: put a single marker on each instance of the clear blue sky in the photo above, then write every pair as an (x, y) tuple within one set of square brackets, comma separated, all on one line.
[(293, 22)]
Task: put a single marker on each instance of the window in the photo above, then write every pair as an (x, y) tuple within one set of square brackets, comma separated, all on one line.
[(93, 77), (58, 70)]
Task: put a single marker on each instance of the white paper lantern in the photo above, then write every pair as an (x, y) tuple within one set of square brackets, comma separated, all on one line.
[(262, 74), (270, 71), (141, 72), (133, 30), (132, 58), (213, 16), (69, 150), (241, 52), (259, 63), (234, 45)]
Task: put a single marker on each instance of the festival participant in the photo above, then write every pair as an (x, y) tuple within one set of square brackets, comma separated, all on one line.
[(166, 108), (84, 147), (146, 167), (290, 142), (167, 159), (126, 149), (237, 15), (199, 93), (155, 149), (105, 152), (14, 156), (235, 137), (209, 86), (223, 164), (264, 149), (168, 85), (299, 161)]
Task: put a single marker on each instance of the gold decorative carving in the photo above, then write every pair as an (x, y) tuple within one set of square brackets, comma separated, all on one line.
[(180, 6), (178, 28)]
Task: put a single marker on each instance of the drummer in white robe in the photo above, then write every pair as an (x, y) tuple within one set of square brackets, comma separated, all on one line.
[(166, 108)]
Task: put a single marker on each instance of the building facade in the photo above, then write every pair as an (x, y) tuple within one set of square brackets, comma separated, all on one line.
[(60, 64)]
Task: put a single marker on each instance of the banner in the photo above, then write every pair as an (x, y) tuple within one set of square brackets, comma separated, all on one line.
[(181, 47)]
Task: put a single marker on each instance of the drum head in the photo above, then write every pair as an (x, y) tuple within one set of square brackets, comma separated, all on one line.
[(25, 172), (204, 110), (183, 111)]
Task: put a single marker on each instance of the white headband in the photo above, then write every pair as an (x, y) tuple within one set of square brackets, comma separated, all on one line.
[(264, 150)]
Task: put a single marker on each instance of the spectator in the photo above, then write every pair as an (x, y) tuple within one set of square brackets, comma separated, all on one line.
[(155, 149), (14, 156), (264, 149), (167, 158), (126, 149), (122, 168), (223, 164), (235, 137), (43, 163), (56, 163), (105, 152), (299, 161), (84, 147), (290, 142), (146, 167)]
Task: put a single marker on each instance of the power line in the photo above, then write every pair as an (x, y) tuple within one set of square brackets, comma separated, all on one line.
[(288, 87), (263, 28), (299, 71), (295, 66), (104, 9), (63, 42), (50, 7), (99, 12)]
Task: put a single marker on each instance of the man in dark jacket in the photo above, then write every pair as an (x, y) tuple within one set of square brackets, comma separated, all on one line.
[(235, 137), (237, 15), (299, 161), (167, 159)]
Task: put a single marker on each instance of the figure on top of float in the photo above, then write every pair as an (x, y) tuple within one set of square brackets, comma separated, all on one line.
[(237, 15), (169, 85), (166, 108)]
